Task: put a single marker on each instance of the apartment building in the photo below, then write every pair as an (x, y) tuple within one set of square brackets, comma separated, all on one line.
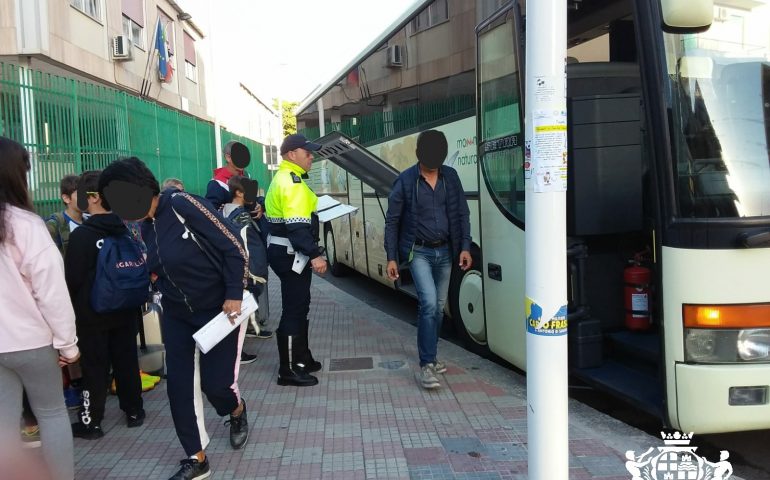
[(110, 42)]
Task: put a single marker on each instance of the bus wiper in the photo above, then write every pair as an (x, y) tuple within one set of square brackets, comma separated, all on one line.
[(754, 240)]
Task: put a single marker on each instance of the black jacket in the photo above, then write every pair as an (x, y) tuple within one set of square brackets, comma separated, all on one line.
[(80, 270), (401, 219), (188, 280)]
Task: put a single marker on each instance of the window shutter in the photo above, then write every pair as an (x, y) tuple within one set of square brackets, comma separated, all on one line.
[(134, 9), (189, 48)]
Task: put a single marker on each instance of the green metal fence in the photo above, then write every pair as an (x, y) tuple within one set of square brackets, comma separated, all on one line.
[(371, 128), (70, 126)]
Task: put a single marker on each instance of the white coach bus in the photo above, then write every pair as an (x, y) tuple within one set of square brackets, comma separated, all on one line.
[(668, 187)]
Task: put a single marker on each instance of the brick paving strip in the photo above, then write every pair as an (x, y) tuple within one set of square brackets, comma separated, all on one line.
[(367, 419)]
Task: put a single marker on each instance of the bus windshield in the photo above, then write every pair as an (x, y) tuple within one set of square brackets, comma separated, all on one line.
[(720, 86)]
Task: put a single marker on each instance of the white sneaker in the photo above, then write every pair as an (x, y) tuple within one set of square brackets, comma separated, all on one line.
[(428, 377), (439, 367)]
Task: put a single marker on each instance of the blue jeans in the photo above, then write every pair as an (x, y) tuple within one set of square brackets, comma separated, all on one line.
[(430, 268)]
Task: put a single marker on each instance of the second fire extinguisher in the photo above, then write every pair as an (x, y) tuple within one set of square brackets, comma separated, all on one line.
[(636, 296)]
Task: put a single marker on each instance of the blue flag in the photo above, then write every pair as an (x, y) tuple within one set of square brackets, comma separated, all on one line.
[(160, 46)]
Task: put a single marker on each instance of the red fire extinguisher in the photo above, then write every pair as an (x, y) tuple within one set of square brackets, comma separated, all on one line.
[(636, 295)]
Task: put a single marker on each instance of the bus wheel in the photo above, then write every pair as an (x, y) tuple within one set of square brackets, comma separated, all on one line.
[(335, 267), (466, 304)]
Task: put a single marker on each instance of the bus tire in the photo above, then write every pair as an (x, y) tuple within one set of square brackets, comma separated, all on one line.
[(471, 311), (336, 268)]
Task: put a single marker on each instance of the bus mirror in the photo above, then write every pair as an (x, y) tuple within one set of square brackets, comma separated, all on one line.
[(687, 16)]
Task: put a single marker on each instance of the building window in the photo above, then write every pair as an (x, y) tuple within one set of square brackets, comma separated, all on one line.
[(190, 69), (92, 8), (133, 31), (133, 21), (436, 13)]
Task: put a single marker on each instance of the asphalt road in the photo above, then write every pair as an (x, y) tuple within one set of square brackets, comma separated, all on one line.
[(748, 450)]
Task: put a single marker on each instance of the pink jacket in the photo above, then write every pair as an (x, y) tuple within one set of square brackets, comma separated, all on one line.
[(35, 307)]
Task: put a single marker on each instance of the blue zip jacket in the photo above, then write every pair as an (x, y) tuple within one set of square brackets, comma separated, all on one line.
[(401, 219), (188, 280)]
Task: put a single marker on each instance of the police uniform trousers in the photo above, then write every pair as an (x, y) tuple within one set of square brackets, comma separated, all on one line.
[(295, 292), (190, 372)]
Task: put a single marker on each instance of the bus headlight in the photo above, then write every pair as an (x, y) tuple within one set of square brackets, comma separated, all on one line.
[(726, 333), (700, 345), (754, 345), (703, 345)]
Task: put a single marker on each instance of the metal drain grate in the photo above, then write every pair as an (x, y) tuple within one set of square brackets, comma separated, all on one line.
[(356, 363)]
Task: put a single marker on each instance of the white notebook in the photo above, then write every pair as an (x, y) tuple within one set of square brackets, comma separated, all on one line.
[(219, 327)]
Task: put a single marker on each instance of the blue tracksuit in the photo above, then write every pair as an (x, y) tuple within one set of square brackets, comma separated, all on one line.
[(194, 289)]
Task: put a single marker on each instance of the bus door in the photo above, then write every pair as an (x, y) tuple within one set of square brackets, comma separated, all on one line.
[(502, 168)]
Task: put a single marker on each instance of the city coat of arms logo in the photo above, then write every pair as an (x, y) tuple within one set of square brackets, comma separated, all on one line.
[(677, 461)]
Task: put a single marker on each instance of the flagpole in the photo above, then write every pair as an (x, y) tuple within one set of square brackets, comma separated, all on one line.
[(147, 83)]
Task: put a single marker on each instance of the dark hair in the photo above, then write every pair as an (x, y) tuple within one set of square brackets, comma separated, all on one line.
[(130, 170), (68, 184), (89, 182), (236, 184), (14, 165)]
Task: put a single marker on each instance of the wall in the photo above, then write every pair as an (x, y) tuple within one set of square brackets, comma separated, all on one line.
[(53, 36)]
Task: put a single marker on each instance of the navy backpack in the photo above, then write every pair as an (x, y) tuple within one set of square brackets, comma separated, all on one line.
[(122, 280)]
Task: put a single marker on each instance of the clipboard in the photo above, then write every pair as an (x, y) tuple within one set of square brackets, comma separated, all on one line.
[(330, 208), (208, 336)]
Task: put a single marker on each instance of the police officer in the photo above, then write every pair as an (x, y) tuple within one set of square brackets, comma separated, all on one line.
[(292, 252)]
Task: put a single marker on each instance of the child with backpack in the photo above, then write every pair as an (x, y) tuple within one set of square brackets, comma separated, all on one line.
[(244, 192), (61, 224), (108, 281), (251, 237)]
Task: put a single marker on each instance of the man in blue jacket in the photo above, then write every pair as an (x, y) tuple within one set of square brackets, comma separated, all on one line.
[(427, 225), (195, 289)]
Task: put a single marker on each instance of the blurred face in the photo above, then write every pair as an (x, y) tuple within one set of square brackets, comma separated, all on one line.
[(301, 157)]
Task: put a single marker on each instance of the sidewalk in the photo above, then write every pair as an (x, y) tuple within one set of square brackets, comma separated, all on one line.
[(367, 419)]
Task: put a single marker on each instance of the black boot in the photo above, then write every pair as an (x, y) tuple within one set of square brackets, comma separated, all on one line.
[(304, 359), (288, 372)]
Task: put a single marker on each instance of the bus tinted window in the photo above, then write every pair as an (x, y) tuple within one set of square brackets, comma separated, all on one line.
[(500, 117)]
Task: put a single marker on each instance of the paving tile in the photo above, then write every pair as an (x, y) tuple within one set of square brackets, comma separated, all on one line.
[(373, 424), (300, 456), (431, 472)]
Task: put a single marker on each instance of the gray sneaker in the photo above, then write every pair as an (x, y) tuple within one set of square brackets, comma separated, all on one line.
[(439, 367), (428, 377)]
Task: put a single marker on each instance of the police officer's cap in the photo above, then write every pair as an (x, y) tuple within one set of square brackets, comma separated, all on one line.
[(295, 141)]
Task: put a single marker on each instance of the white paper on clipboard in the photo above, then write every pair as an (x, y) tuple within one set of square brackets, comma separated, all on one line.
[(326, 201), (330, 208), (335, 212), (208, 336)]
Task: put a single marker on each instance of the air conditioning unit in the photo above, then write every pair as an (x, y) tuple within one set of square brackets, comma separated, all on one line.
[(395, 56), (121, 47)]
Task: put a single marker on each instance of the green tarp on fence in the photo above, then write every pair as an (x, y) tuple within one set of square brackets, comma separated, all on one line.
[(70, 126)]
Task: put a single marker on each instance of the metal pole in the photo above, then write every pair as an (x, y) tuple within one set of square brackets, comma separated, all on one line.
[(546, 240), (321, 119)]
